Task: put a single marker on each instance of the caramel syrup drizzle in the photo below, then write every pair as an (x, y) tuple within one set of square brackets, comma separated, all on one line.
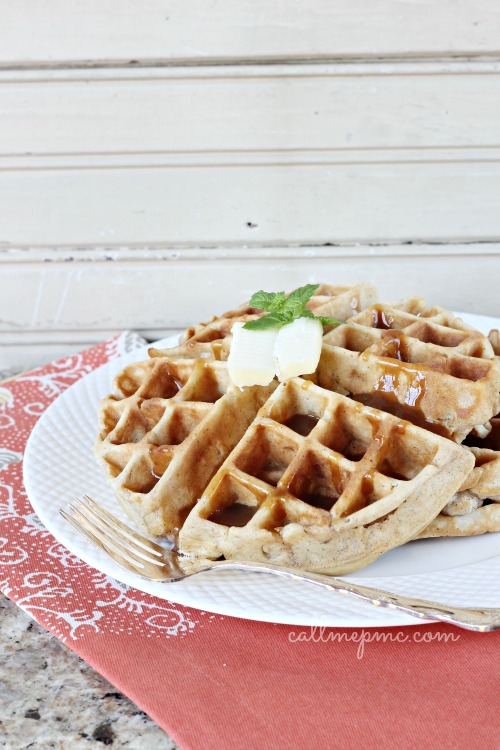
[(394, 364), (381, 318)]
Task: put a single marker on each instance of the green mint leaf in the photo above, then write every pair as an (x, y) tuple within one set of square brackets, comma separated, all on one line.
[(325, 321), (273, 320), (268, 301), (262, 300), (279, 300), (282, 309), (298, 299)]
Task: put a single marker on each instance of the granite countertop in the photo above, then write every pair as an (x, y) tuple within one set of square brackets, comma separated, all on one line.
[(50, 698)]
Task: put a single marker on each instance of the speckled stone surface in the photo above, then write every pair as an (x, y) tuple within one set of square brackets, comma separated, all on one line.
[(50, 698), (5, 374)]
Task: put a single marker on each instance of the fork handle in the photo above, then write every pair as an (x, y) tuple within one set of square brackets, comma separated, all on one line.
[(481, 620)]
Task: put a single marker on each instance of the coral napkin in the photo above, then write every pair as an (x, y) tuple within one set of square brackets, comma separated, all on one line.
[(214, 682)]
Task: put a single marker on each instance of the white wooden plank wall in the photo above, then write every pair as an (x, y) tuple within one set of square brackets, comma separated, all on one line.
[(95, 32), (160, 161)]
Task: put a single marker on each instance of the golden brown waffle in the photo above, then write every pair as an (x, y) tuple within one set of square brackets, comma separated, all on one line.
[(323, 483), (494, 339), (475, 509), (344, 301), (484, 519), (434, 326), (491, 440), (439, 375), (165, 430), (417, 307), (212, 340)]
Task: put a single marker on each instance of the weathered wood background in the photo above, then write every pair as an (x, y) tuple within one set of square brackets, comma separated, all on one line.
[(161, 160)]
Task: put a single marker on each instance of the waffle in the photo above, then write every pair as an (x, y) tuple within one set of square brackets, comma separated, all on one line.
[(426, 366), (165, 430), (417, 307), (494, 339), (475, 509), (323, 483), (212, 339)]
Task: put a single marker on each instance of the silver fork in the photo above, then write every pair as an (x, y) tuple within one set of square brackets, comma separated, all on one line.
[(144, 557)]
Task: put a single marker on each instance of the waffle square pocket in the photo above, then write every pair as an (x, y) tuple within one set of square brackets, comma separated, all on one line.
[(323, 483), (165, 430), (425, 366)]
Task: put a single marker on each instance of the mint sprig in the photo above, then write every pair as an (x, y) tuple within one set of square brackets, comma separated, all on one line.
[(268, 301), (282, 309)]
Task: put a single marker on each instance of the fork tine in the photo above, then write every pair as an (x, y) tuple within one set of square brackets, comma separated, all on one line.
[(112, 540), (107, 548), (119, 528)]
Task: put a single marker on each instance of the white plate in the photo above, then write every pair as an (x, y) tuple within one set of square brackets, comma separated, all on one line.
[(59, 465)]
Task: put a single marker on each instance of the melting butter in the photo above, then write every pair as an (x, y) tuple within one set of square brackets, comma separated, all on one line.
[(298, 348), (252, 360), (257, 356)]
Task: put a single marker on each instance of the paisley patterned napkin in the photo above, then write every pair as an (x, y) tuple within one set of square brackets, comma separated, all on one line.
[(218, 683)]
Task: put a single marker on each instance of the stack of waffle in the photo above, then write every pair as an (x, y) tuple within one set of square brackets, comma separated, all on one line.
[(394, 437)]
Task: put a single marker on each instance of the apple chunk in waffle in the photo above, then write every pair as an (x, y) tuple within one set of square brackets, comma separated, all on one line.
[(212, 340), (165, 430), (323, 483), (439, 375)]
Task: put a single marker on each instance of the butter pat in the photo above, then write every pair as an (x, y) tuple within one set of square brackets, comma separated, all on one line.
[(298, 348), (252, 360)]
